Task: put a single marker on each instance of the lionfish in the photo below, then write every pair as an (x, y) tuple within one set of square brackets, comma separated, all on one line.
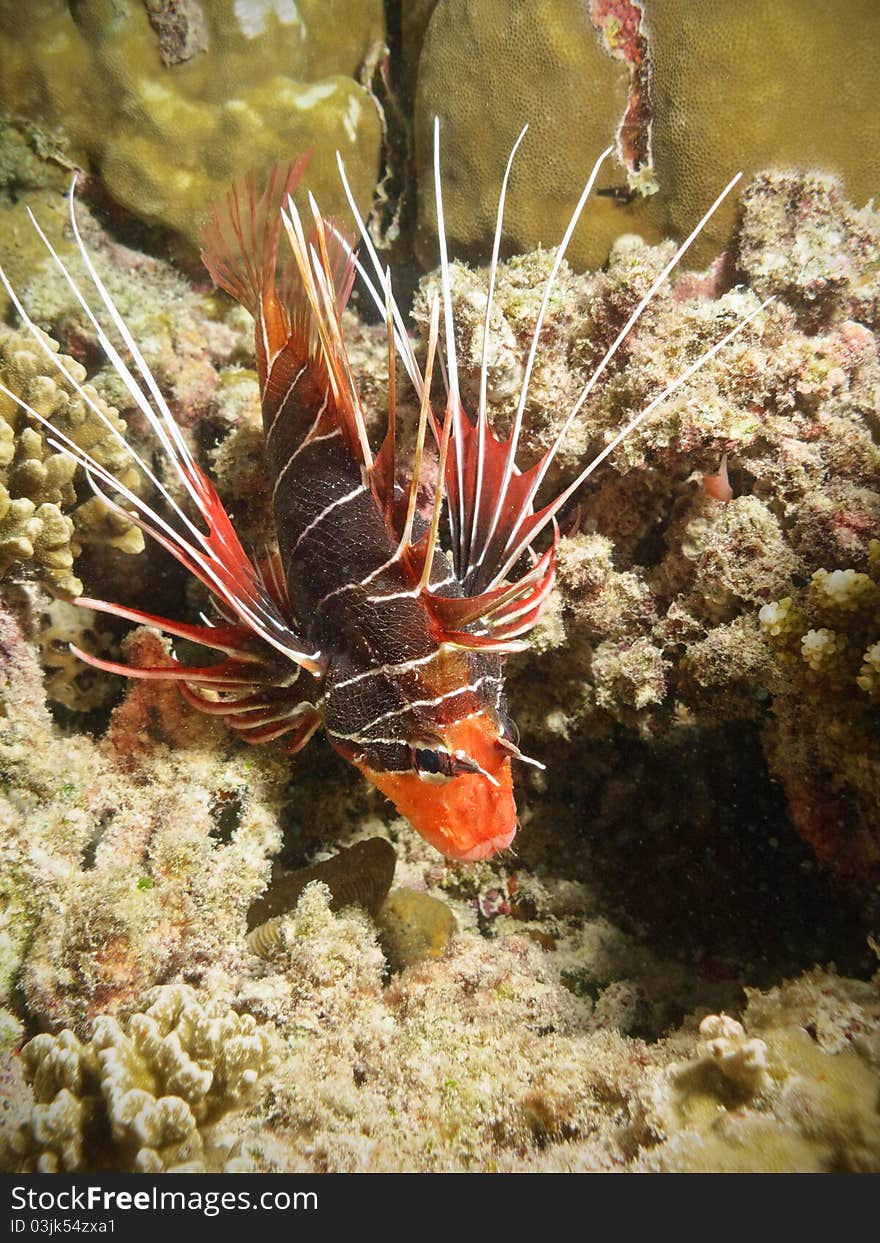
[(360, 621)]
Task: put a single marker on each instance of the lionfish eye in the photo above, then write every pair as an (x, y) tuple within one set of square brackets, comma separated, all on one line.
[(427, 761)]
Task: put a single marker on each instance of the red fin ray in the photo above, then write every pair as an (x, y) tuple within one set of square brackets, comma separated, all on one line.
[(205, 545), (262, 717), (325, 265), (240, 245)]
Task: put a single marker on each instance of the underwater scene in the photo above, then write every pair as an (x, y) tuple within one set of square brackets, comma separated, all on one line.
[(439, 586)]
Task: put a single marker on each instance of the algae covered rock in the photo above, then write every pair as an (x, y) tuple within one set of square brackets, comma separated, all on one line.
[(768, 84), (414, 926), (822, 740), (170, 114), (539, 62)]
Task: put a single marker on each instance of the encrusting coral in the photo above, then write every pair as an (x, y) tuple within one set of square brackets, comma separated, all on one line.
[(169, 124), (640, 76)]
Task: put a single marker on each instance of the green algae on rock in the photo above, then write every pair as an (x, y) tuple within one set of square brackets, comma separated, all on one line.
[(261, 83)]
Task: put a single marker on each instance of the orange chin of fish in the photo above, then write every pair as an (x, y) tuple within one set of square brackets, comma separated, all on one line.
[(465, 817)]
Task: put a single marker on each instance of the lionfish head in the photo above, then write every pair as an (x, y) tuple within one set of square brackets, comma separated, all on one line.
[(459, 793)]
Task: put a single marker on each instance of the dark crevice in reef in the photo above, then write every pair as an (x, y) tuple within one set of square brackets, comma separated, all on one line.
[(693, 848)]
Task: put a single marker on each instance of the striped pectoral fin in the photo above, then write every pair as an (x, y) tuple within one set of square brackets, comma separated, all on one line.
[(264, 716), (257, 694), (205, 544)]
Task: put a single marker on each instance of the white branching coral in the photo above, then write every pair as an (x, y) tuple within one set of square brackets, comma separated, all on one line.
[(152, 1083), (842, 593), (821, 649), (869, 674)]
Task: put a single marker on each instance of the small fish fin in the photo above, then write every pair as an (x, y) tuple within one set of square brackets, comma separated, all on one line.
[(502, 613), (268, 714), (325, 264)]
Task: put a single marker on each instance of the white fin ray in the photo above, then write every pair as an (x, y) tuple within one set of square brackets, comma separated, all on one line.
[(164, 419), (548, 514), (630, 323), (404, 346), (533, 349), (220, 562)]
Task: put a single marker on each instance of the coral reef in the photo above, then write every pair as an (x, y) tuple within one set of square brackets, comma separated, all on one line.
[(656, 624), (822, 739), (169, 115), (43, 520), (789, 1089), (359, 876), (128, 858), (643, 78), (480, 1060), (199, 957), (796, 70), (154, 1086), (538, 62)]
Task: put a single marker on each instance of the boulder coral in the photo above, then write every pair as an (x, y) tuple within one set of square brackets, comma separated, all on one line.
[(687, 95), (168, 113), (539, 62)]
